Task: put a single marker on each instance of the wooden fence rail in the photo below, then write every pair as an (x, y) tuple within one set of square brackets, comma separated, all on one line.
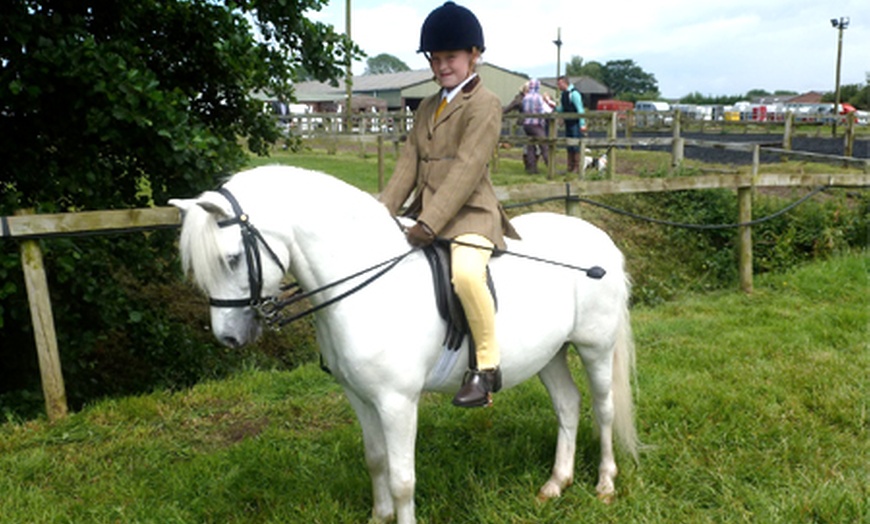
[(28, 228), (392, 130)]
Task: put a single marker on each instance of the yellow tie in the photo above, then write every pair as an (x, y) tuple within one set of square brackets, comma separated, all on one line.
[(441, 107)]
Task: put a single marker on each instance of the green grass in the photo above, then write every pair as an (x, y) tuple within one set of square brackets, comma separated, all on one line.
[(359, 165), (752, 408)]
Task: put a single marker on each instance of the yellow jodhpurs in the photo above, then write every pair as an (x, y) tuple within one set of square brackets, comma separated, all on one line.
[(469, 282)]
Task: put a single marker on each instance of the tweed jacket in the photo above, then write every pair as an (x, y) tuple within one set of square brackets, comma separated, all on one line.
[(445, 164)]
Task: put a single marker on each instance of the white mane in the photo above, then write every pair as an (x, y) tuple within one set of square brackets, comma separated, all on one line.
[(201, 255)]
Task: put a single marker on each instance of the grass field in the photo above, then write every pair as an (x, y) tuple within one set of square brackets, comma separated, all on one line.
[(752, 408)]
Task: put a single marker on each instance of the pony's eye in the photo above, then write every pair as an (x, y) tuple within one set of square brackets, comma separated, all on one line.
[(233, 261)]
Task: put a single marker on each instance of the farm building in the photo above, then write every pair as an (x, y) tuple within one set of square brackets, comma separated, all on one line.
[(408, 88), (403, 89)]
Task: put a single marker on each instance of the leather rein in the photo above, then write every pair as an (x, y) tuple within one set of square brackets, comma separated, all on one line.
[(270, 308)]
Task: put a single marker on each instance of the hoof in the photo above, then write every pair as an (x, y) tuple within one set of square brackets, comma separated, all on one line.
[(607, 498), (549, 491), (553, 489)]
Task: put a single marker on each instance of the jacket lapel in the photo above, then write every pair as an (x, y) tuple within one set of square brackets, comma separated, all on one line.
[(457, 102)]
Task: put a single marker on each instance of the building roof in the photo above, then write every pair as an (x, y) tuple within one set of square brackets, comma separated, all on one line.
[(811, 97), (584, 84), (397, 88), (364, 83), (413, 84)]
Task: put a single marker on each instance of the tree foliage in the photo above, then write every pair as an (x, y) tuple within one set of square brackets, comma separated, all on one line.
[(385, 63), (115, 104), (625, 79), (95, 95), (701, 99), (624, 76), (593, 69), (854, 94)]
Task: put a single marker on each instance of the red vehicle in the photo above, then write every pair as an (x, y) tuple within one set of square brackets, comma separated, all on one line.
[(614, 105)]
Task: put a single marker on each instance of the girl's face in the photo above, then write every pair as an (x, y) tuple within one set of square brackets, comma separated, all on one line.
[(451, 67)]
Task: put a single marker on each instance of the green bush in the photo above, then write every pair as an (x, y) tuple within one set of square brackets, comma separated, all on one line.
[(118, 105), (667, 260), (832, 223)]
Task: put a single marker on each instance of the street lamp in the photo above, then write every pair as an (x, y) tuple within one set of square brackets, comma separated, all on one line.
[(840, 25), (558, 42)]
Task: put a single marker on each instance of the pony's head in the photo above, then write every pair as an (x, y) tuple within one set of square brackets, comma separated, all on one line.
[(234, 263)]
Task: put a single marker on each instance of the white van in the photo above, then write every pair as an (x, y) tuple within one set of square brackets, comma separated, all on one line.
[(643, 108), (652, 105)]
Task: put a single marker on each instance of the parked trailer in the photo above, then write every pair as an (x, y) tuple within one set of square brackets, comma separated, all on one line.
[(614, 105), (649, 112)]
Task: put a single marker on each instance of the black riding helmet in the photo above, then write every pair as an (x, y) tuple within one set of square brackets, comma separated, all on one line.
[(449, 28)]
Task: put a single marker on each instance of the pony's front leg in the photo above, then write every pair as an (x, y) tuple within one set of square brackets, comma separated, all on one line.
[(377, 461), (557, 378), (398, 415)]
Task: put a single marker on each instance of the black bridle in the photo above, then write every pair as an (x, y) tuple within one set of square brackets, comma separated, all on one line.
[(270, 308), (251, 239)]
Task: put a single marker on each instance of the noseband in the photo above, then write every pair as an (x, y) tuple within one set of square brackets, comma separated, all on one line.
[(251, 238)]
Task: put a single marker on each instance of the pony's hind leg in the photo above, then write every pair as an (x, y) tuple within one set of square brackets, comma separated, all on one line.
[(599, 371), (557, 378)]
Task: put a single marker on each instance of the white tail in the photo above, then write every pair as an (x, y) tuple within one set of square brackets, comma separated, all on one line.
[(623, 372)]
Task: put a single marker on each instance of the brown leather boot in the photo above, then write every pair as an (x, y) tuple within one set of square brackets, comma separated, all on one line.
[(574, 166), (477, 388)]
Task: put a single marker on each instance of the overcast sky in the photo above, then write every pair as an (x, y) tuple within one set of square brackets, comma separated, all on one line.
[(712, 47)]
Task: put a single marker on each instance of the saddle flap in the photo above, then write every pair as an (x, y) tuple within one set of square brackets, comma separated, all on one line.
[(449, 307)]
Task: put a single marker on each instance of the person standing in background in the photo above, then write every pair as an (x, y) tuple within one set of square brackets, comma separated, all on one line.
[(534, 103), (571, 102)]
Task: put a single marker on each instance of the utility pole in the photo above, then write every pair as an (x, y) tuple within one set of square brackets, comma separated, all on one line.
[(840, 25), (558, 42), (348, 78)]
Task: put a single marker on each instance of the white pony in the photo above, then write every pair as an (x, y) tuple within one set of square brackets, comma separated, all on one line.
[(383, 343)]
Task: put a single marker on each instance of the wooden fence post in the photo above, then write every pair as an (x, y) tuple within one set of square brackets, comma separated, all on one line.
[(332, 148), (581, 171), (744, 202), (572, 207), (678, 146), (786, 134), (613, 125), (551, 146), (849, 135), (611, 150), (44, 334), (380, 162)]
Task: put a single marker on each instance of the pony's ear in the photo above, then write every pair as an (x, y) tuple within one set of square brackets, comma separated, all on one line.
[(183, 204), (215, 206), (214, 209)]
